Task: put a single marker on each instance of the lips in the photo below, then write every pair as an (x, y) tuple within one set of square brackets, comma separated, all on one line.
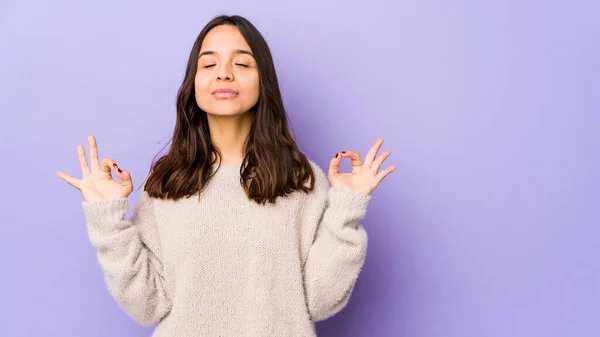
[(225, 93)]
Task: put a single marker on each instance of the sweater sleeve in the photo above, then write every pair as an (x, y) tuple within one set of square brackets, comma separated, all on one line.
[(128, 253), (338, 251)]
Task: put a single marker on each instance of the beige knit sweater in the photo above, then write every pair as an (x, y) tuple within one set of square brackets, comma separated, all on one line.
[(224, 265)]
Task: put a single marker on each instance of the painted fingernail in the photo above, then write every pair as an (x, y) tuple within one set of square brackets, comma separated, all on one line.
[(337, 154), (120, 171), (344, 152), (115, 165)]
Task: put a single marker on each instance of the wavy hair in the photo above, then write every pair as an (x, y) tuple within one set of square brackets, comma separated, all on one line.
[(272, 166)]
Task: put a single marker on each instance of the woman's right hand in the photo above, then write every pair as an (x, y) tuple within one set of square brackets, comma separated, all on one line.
[(97, 182)]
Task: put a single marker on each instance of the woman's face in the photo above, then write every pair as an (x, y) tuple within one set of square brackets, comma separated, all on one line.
[(227, 80)]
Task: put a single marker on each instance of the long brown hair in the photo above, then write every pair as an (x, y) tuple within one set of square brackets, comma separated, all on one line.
[(273, 165)]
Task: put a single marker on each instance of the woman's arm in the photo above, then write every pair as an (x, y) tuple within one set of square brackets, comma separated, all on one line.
[(128, 252), (338, 251)]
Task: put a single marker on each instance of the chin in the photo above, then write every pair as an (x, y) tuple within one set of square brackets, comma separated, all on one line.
[(226, 112)]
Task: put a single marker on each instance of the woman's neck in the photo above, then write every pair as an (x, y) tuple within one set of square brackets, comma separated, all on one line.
[(228, 134)]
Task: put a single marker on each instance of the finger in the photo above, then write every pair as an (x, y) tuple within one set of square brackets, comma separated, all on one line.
[(380, 159), (354, 157), (379, 176), (93, 153), (85, 171), (373, 152), (72, 181), (108, 164), (334, 165)]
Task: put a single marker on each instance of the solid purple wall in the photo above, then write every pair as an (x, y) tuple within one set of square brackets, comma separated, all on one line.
[(489, 226)]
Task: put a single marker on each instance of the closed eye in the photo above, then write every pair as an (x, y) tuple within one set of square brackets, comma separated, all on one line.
[(237, 64)]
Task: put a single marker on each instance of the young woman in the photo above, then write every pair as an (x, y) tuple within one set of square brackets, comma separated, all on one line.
[(236, 232)]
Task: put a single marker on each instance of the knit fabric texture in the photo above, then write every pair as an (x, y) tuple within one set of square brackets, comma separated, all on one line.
[(223, 265)]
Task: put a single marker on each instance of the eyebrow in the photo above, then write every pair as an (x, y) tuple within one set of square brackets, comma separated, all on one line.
[(236, 51)]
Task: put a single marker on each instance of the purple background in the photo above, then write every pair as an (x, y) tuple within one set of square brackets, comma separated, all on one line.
[(489, 227)]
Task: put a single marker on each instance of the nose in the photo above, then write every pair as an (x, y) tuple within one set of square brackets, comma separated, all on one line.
[(225, 73)]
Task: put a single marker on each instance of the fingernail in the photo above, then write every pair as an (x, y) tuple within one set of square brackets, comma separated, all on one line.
[(344, 152), (337, 154), (115, 165), (120, 171)]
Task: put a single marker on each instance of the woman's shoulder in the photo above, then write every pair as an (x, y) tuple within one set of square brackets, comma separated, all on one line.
[(321, 181), (318, 170)]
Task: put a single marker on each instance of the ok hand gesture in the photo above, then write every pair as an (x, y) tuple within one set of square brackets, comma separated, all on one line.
[(97, 182), (364, 177)]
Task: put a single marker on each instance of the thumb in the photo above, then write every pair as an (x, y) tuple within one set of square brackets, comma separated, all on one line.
[(108, 164), (125, 178), (334, 166)]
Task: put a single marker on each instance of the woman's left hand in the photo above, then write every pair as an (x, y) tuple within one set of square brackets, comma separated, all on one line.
[(364, 177)]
